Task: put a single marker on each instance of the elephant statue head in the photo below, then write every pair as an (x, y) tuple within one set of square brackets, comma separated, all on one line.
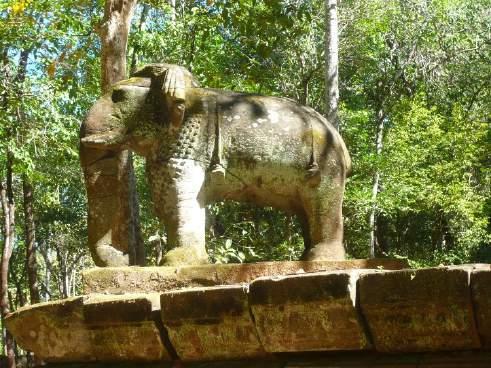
[(132, 112), (104, 137), (202, 145)]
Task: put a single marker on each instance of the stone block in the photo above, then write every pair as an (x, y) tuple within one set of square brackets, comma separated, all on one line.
[(481, 295), (309, 312), (133, 279), (210, 323), (419, 310), (117, 280), (90, 328)]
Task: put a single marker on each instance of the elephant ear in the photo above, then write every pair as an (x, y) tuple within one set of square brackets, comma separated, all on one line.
[(168, 87)]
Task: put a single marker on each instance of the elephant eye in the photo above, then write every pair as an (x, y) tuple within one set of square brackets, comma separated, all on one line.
[(118, 95)]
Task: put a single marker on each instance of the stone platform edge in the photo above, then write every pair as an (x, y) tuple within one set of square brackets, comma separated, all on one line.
[(117, 280), (362, 310)]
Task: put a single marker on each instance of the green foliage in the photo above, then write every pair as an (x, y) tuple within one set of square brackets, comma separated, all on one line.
[(39, 123), (433, 184), (243, 233), (423, 66)]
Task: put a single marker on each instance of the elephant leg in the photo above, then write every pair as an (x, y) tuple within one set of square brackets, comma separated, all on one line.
[(101, 178), (304, 226), (325, 223), (185, 213)]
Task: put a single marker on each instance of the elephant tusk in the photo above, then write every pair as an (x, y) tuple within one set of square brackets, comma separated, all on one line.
[(103, 140)]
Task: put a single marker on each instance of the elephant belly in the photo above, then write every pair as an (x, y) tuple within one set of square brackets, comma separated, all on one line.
[(262, 185)]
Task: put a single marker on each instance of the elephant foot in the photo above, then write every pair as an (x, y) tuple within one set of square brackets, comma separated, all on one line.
[(325, 252), (184, 256), (108, 256)]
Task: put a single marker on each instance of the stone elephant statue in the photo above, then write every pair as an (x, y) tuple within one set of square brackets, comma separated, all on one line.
[(202, 145)]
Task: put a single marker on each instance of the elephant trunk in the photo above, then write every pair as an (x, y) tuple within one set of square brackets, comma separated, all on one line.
[(113, 229)]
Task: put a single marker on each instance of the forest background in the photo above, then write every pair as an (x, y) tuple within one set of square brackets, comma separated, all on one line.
[(415, 104)]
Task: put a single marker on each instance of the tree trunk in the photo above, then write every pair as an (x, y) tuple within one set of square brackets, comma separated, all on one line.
[(376, 183), (45, 253), (30, 234), (8, 206), (61, 257), (114, 38), (73, 281), (113, 218), (20, 299), (332, 60), (172, 4), (136, 48)]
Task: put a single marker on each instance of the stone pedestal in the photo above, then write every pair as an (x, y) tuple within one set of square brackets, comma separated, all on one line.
[(260, 312), (481, 296), (211, 323), (423, 310), (90, 328), (309, 312), (118, 280)]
